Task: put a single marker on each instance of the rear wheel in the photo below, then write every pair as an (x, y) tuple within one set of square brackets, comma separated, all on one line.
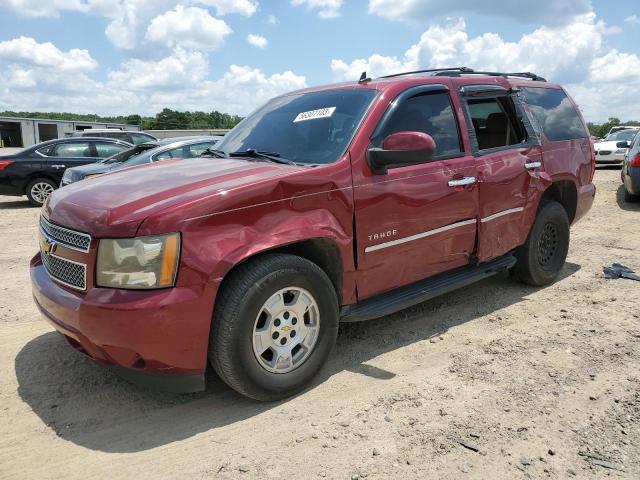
[(274, 325), (543, 255), (39, 190)]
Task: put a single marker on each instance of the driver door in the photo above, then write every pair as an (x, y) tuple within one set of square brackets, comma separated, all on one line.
[(416, 221)]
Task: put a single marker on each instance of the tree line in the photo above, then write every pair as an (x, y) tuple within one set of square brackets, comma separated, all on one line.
[(601, 130), (167, 119)]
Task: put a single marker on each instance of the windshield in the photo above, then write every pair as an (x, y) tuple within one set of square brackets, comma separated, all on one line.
[(126, 154), (312, 128), (621, 136)]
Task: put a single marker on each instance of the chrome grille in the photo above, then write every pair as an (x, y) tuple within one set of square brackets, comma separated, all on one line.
[(69, 273), (604, 152), (69, 238)]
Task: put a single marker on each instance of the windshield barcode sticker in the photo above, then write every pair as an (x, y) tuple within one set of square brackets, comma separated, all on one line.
[(313, 114)]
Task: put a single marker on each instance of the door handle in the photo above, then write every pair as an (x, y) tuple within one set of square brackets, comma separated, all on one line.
[(462, 182), (58, 166), (532, 165)]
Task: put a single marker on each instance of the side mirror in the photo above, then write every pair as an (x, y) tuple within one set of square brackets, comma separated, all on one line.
[(624, 144), (400, 150)]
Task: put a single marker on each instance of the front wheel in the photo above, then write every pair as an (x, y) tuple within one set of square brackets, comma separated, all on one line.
[(541, 258), (39, 190), (274, 325)]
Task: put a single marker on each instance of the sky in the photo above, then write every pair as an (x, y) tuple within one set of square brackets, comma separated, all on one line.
[(138, 56)]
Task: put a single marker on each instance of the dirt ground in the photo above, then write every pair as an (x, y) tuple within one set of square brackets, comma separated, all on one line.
[(496, 381)]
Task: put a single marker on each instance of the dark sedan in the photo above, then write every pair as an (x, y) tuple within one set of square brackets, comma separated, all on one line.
[(631, 171), (36, 171), (168, 148)]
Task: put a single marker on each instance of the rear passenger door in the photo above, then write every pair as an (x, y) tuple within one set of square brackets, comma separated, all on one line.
[(66, 155), (505, 150)]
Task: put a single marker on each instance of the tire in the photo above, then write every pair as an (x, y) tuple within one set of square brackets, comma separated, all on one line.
[(541, 258), (39, 190), (241, 312), (630, 197)]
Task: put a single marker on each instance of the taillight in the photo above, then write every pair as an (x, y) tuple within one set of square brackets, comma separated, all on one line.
[(635, 162), (5, 163)]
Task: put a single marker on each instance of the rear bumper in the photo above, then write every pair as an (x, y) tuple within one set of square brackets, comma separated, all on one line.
[(586, 196), (155, 338), (632, 180)]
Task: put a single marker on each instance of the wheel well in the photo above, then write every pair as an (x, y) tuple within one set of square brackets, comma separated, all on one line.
[(565, 193), (35, 176), (320, 251)]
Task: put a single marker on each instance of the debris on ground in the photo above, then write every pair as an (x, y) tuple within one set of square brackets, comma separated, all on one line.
[(616, 270)]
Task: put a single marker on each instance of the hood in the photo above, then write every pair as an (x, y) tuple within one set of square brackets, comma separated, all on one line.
[(115, 204), (606, 146), (78, 173)]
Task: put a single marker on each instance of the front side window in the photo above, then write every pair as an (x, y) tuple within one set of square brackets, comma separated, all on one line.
[(198, 149), (106, 149), (554, 113), (72, 149), (170, 154), (312, 128), (430, 113), (494, 122)]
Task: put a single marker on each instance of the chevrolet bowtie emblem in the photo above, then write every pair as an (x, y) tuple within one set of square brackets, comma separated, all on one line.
[(47, 246), (286, 329)]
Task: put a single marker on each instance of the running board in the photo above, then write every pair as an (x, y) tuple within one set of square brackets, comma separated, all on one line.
[(405, 297)]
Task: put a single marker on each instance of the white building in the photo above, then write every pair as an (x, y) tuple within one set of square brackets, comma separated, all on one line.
[(23, 132)]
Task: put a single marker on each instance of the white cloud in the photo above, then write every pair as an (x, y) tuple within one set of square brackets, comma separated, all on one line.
[(523, 11), (26, 51), (633, 20), (273, 20), (326, 8), (190, 27), (257, 40), (39, 8), (226, 7), (180, 68), (574, 55)]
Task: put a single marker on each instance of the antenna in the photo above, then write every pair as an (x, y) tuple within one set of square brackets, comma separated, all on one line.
[(364, 78)]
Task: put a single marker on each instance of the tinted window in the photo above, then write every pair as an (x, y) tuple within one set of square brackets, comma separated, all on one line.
[(72, 149), (494, 122), (138, 138), (107, 149), (169, 154), (314, 127), (198, 149), (429, 113), (621, 136), (554, 113)]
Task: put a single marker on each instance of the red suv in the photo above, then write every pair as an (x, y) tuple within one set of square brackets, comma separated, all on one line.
[(338, 203)]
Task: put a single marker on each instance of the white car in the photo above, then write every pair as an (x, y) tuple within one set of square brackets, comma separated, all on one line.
[(607, 151)]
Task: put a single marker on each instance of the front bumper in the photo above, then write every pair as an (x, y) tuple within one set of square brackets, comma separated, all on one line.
[(609, 159), (158, 338)]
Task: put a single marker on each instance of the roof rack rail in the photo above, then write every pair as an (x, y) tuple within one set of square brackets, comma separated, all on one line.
[(529, 75), (432, 70), (458, 71)]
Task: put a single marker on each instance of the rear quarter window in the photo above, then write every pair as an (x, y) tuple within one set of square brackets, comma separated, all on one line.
[(553, 113)]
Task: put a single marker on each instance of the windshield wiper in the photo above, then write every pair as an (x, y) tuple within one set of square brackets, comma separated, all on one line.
[(214, 152), (271, 156)]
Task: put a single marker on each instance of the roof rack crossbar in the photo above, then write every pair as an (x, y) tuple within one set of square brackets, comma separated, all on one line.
[(431, 70)]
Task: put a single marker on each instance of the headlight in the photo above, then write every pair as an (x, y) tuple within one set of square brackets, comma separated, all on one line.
[(620, 150), (138, 263)]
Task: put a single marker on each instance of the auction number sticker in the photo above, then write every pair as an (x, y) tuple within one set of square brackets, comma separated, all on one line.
[(313, 114)]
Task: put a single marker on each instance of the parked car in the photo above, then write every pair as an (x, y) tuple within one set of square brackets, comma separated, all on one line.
[(133, 137), (36, 171), (630, 171), (608, 152), (341, 203), (169, 148)]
